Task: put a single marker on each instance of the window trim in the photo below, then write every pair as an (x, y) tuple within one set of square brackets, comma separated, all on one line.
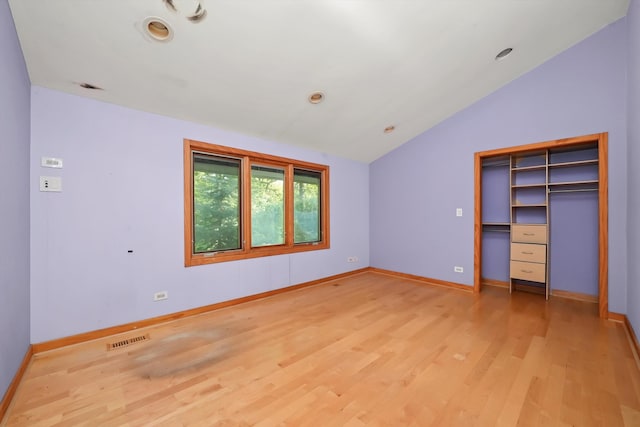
[(247, 159)]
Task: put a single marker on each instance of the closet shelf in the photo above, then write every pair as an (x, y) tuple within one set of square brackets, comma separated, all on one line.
[(530, 205), (529, 185), (573, 190), (590, 181), (574, 163), (529, 168)]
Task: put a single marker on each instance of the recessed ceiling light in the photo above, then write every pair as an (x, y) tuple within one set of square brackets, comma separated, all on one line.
[(316, 97), (89, 86), (158, 29), (389, 129), (504, 53)]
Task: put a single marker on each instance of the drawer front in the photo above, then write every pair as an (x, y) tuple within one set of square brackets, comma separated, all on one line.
[(528, 271), (529, 252), (529, 233)]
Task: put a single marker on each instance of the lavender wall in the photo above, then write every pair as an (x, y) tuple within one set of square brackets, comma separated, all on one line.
[(633, 300), (123, 190), (416, 188), (14, 204)]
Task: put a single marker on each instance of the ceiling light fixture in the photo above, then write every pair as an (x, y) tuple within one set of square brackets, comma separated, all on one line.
[(503, 53), (316, 97), (199, 11), (198, 15), (170, 5), (158, 29), (389, 129)]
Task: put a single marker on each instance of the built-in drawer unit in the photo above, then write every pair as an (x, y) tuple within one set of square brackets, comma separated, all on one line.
[(529, 233), (529, 252), (531, 271)]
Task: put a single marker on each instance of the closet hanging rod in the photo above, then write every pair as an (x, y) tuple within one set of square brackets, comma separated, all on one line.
[(577, 190), (497, 164)]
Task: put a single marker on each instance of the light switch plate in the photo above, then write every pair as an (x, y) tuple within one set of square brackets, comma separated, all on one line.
[(458, 211), (51, 162)]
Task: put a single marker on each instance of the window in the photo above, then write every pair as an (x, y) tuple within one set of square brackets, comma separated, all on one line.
[(306, 206), (240, 204), (267, 206), (216, 203)]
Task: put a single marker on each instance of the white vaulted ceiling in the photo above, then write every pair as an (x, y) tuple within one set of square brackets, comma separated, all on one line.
[(250, 65)]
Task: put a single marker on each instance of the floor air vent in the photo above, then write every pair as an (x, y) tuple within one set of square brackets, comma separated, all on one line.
[(127, 342)]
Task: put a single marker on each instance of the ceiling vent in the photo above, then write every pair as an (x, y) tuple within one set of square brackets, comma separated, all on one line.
[(503, 53)]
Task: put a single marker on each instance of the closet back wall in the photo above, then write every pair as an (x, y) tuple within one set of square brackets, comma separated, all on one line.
[(416, 188), (574, 242), (123, 190), (496, 240)]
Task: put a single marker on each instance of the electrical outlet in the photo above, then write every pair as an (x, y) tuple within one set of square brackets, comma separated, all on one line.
[(458, 269), (50, 183), (458, 211), (159, 296), (352, 259)]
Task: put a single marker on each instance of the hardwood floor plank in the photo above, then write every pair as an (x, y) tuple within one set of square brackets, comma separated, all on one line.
[(371, 349)]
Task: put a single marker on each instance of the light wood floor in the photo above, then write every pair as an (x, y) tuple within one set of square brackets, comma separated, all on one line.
[(367, 350)]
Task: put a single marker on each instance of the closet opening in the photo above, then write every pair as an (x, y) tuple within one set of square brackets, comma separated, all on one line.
[(541, 219)]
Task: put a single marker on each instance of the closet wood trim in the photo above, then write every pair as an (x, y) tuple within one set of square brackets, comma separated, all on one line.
[(603, 226)]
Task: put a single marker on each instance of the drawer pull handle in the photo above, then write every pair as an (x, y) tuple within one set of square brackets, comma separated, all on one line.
[(529, 234), (526, 253), (527, 271)]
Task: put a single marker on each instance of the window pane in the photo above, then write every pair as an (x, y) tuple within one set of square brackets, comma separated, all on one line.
[(267, 206), (306, 206), (216, 203)]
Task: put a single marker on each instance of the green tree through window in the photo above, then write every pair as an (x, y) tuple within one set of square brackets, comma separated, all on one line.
[(216, 199), (267, 206), (306, 211)]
